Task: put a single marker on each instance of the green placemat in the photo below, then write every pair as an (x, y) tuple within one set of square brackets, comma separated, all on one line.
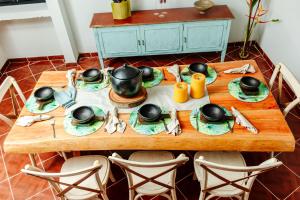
[(80, 84), (212, 75), (32, 106), (236, 91), (147, 129), (86, 129), (210, 128), (158, 77)]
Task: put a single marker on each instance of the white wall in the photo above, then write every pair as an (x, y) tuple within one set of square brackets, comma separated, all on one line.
[(281, 40), (3, 57), (27, 38)]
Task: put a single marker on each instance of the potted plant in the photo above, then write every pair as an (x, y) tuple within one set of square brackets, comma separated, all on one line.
[(255, 17)]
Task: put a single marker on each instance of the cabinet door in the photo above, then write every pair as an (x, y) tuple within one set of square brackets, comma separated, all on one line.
[(162, 38), (204, 36), (120, 41)]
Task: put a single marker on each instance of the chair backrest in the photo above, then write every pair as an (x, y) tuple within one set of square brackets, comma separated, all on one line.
[(53, 178), (158, 169), (245, 183), (8, 85), (283, 73)]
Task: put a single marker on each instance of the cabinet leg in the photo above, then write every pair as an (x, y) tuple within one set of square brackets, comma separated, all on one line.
[(32, 159), (101, 60), (223, 54)]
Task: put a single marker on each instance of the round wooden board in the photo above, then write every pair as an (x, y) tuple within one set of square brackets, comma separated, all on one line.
[(125, 102)]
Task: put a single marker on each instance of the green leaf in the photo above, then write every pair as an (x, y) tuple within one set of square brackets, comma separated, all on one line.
[(254, 2), (275, 20)]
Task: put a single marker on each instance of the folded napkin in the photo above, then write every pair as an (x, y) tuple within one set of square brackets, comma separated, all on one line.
[(106, 75), (174, 126), (29, 120), (241, 70), (114, 123), (67, 98), (241, 120), (175, 71)]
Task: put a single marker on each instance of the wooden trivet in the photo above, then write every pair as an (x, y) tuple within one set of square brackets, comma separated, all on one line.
[(128, 102)]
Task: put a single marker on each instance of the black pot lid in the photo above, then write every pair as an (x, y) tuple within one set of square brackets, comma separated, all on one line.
[(125, 72)]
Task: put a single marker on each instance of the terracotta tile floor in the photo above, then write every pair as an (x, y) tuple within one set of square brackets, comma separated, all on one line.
[(283, 183)]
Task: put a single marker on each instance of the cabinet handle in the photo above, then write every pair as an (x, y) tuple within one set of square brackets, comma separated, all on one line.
[(139, 42), (185, 40), (143, 42)]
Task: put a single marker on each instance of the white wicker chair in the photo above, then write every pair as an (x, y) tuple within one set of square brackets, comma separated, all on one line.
[(150, 173), (8, 85), (283, 73), (225, 174), (83, 177)]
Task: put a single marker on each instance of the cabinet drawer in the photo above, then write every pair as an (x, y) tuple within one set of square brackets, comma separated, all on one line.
[(119, 41), (162, 38), (206, 36)]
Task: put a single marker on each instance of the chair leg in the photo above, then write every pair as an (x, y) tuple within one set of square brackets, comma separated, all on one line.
[(290, 106), (32, 159), (6, 120), (104, 195), (63, 154), (194, 176), (131, 195), (202, 195), (14, 102), (173, 194), (111, 176)]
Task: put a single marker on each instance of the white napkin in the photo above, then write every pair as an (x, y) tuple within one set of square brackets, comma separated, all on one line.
[(241, 70), (175, 71), (106, 75), (114, 123), (29, 120), (174, 126), (241, 120)]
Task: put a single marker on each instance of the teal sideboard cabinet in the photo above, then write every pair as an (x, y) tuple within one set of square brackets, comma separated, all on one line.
[(182, 30)]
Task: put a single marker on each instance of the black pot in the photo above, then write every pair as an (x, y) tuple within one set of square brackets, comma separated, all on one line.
[(148, 73), (83, 114), (126, 81), (44, 94), (248, 83), (198, 68), (91, 75), (213, 113), (149, 112)]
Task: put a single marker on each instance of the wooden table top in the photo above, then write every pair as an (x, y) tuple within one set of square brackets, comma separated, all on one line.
[(219, 12), (274, 135)]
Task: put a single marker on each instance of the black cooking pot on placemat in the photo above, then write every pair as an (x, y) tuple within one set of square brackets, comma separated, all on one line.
[(126, 81), (149, 113), (44, 94), (82, 115), (148, 73), (213, 113), (91, 75), (198, 68), (249, 85)]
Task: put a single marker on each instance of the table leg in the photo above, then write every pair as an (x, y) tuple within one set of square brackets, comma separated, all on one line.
[(32, 159)]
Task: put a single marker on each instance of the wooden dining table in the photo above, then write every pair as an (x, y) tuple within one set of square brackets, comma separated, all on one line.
[(274, 133)]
